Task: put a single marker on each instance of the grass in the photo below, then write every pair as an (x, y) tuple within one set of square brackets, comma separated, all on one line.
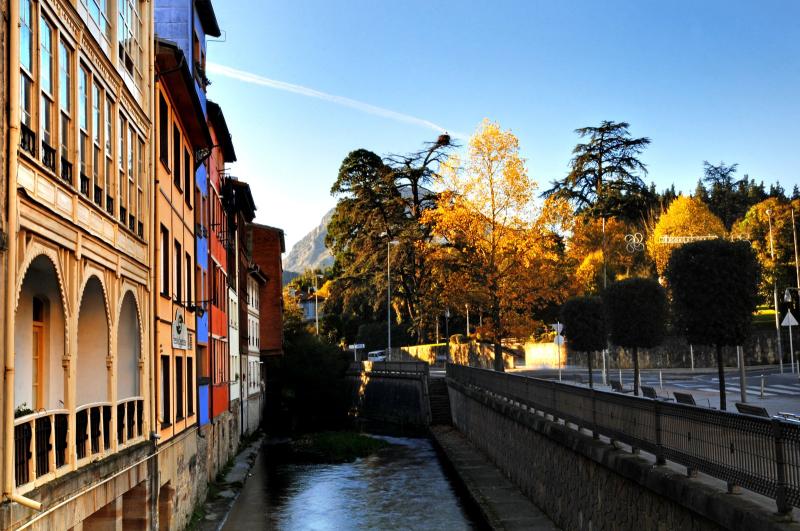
[(333, 447)]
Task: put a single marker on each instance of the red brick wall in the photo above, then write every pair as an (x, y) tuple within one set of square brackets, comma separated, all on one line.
[(267, 249)]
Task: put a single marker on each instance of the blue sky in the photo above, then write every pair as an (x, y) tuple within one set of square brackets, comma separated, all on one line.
[(710, 80)]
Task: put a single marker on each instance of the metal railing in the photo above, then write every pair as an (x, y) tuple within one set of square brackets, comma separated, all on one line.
[(759, 454), (416, 368)]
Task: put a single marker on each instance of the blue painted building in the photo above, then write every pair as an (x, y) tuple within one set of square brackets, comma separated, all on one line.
[(187, 23)]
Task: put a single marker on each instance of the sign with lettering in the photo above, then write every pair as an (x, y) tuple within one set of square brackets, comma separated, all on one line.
[(180, 332)]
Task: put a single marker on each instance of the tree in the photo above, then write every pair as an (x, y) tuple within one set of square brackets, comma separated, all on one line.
[(382, 200), (637, 315), (754, 227), (685, 217), (490, 236), (585, 326), (714, 291), (604, 178)]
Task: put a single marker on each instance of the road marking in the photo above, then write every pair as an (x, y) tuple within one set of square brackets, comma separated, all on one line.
[(793, 388), (733, 389)]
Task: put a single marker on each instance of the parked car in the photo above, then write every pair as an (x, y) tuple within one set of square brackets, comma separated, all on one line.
[(376, 355)]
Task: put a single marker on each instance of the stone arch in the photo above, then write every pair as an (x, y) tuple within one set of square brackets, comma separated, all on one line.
[(40, 342), (129, 346), (34, 251), (93, 342)]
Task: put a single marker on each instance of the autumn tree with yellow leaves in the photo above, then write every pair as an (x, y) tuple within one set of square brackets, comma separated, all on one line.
[(686, 217), (497, 245)]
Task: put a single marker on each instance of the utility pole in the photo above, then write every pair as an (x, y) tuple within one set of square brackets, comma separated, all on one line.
[(775, 293)]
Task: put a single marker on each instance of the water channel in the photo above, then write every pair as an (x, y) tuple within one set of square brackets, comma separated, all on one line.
[(402, 486)]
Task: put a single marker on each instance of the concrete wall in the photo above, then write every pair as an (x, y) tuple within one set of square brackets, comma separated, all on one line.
[(760, 349), (582, 483), (395, 399), (479, 355), (92, 345)]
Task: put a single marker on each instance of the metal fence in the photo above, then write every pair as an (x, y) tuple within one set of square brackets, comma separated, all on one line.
[(759, 454), (416, 368)]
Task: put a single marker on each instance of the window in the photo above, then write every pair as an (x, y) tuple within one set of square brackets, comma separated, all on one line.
[(163, 130), (189, 387), (187, 178), (26, 61), (176, 155), (98, 10), (122, 189), (178, 277), (165, 392), (83, 118), (178, 388), (97, 104), (108, 115), (189, 290), (65, 104), (165, 271), (46, 82), (129, 32)]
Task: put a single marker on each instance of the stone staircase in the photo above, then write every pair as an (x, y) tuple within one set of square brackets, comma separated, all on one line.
[(439, 402)]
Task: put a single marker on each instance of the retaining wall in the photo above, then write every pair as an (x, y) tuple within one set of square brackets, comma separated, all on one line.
[(400, 399)]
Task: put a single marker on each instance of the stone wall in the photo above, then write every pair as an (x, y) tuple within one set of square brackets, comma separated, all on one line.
[(760, 349), (395, 399), (582, 483), (481, 355)]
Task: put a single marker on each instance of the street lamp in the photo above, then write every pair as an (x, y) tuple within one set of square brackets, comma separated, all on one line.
[(316, 303), (388, 293)]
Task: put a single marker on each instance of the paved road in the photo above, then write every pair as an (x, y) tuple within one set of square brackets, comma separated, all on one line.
[(781, 392)]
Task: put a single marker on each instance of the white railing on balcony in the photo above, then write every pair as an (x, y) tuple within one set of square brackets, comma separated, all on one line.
[(40, 445), (41, 439)]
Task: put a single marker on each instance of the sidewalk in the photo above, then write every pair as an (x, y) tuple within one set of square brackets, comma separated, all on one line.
[(502, 504)]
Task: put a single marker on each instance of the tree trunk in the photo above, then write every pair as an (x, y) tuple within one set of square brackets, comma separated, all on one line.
[(589, 362), (635, 371), (499, 366), (722, 403)]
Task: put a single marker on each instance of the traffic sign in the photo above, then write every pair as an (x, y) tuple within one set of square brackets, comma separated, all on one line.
[(559, 340), (558, 327), (789, 320), (356, 346)]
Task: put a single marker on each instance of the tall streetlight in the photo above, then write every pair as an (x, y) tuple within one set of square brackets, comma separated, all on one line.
[(775, 293), (316, 303), (389, 293)]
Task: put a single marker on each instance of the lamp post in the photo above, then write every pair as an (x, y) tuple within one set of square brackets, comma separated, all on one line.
[(467, 307), (775, 293), (389, 294)]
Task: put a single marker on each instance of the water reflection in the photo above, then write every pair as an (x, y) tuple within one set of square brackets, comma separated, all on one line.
[(400, 487)]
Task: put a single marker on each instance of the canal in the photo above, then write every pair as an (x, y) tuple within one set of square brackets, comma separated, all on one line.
[(402, 486)]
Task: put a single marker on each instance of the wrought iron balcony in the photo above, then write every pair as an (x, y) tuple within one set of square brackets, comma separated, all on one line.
[(48, 156), (123, 214), (131, 222), (140, 230), (85, 184), (27, 140), (66, 170), (98, 196), (110, 205)]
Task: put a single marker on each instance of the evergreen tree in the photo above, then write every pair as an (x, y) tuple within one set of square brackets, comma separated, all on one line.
[(605, 175)]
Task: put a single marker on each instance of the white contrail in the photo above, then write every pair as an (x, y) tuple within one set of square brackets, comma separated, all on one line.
[(248, 77)]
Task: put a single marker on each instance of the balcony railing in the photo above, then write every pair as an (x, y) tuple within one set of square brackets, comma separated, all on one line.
[(85, 184), (48, 156), (98, 196), (140, 230), (130, 414), (92, 425), (131, 222), (123, 214), (27, 140), (110, 205), (66, 170), (40, 442)]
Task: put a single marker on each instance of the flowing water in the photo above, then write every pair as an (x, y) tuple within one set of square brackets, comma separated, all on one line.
[(402, 486)]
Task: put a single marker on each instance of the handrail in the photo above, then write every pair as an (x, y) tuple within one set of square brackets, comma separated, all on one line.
[(130, 399), (92, 405), (760, 454), (39, 414)]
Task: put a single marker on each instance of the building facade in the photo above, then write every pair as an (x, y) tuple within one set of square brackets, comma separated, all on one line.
[(77, 318)]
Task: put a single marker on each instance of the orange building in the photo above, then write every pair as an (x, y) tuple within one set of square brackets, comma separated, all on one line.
[(180, 131)]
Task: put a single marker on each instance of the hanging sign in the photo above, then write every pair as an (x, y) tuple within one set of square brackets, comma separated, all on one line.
[(180, 332)]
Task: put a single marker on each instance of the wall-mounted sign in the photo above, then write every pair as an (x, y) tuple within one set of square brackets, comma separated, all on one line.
[(180, 332)]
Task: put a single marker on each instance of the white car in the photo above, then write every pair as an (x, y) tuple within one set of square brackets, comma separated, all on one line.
[(376, 355)]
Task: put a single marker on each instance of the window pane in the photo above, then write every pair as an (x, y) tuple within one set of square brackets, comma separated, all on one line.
[(25, 35), (26, 105), (109, 125), (46, 58), (64, 79), (65, 135), (46, 118), (83, 96), (96, 97)]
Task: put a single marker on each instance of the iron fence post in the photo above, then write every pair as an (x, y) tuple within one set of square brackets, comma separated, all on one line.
[(780, 469), (660, 460), (595, 434)]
